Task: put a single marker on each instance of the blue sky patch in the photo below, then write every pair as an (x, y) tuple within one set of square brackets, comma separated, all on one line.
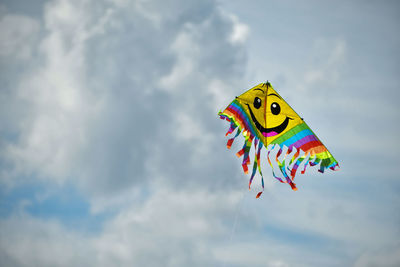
[(62, 203)]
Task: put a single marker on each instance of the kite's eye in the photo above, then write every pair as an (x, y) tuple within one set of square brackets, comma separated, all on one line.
[(275, 108), (257, 103)]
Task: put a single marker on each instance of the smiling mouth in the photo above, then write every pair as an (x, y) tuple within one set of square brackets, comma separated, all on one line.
[(268, 132)]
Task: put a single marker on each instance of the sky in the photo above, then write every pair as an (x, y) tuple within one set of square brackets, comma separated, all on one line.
[(112, 153)]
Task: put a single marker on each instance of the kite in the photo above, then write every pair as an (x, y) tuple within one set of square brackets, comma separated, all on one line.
[(262, 116)]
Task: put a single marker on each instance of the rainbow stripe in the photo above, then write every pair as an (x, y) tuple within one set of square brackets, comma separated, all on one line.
[(236, 114), (303, 139)]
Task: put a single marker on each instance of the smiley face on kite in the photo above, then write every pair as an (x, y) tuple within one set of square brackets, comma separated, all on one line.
[(269, 113), (274, 109)]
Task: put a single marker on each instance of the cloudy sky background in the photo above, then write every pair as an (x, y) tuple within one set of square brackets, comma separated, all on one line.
[(112, 154)]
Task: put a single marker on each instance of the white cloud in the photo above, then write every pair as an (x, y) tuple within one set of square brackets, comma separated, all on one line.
[(240, 30), (167, 229), (26, 241), (187, 51), (103, 63)]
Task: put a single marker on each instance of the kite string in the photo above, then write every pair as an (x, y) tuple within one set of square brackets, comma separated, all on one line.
[(233, 230), (238, 209)]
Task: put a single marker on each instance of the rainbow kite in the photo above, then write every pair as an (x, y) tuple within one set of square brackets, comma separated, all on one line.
[(262, 115)]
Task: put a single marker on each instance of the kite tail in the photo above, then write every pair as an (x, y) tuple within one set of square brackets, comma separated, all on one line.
[(282, 166), (293, 159), (333, 165), (296, 166), (307, 163), (272, 167), (328, 163), (231, 128), (230, 141), (246, 158), (245, 151), (256, 165), (237, 118), (259, 169), (315, 162)]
